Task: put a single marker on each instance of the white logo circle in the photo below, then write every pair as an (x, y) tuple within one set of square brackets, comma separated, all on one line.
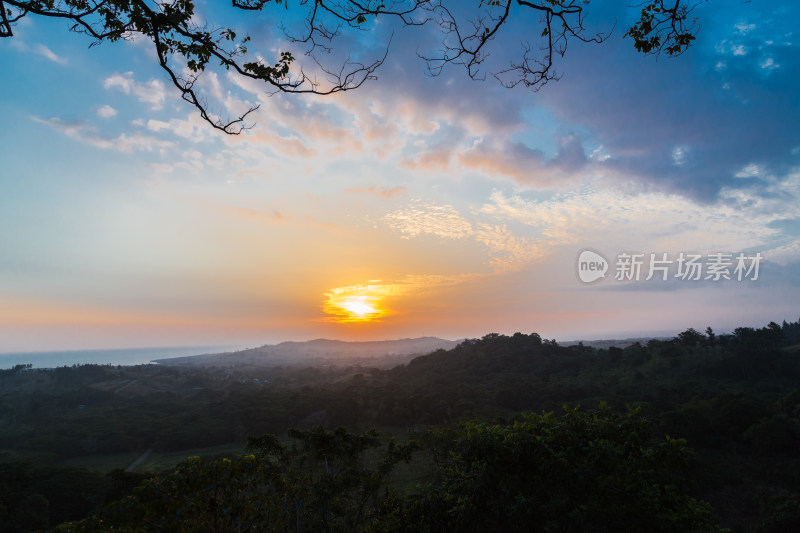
[(591, 266)]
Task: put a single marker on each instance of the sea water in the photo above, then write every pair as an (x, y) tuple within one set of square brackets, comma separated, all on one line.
[(124, 356)]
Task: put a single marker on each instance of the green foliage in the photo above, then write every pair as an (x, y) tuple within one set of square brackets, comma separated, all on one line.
[(662, 27), (581, 471), (781, 512), (319, 483), (34, 497), (778, 431), (733, 396)]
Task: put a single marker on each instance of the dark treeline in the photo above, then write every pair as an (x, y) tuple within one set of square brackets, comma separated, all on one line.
[(734, 398)]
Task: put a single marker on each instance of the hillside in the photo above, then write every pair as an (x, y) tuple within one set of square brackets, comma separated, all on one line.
[(381, 354), (733, 397)]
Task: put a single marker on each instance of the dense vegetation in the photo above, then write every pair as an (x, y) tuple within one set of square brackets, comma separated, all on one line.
[(583, 471), (486, 451)]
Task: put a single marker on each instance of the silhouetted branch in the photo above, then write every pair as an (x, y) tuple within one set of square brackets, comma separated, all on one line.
[(664, 26), (559, 20), (181, 44)]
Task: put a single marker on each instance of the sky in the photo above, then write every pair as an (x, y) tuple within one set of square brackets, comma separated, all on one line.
[(412, 206)]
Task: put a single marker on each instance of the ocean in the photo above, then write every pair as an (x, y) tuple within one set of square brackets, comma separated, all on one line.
[(124, 357)]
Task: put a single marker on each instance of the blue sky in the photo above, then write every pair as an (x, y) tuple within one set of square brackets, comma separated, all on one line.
[(411, 206)]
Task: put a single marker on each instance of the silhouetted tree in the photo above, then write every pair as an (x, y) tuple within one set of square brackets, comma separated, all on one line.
[(468, 32)]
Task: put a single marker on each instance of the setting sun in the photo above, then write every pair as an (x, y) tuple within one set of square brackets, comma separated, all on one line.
[(358, 303), (359, 307)]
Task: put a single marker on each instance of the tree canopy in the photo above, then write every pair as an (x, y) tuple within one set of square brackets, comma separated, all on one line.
[(581, 471), (186, 45), (492, 447)]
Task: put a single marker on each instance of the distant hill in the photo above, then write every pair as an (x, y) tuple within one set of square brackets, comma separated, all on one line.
[(383, 354)]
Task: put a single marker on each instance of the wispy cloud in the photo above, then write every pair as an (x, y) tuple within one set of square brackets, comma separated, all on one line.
[(85, 132), (270, 216), (655, 221), (641, 110), (153, 92), (383, 192), (49, 54), (517, 232), (507, 251), (785, 254), (193, 128), (285, 146)]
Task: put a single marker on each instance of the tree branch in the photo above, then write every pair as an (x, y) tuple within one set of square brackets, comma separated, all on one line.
[(170, 25), (559, 20), (664, 29)]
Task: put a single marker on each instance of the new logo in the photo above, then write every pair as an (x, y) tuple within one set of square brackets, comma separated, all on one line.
[(591, 266)]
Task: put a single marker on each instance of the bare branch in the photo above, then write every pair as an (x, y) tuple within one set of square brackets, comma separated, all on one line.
[(467, 41), (560, 21)]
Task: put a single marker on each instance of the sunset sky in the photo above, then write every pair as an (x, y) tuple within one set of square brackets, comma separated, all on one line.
[(412, 206)]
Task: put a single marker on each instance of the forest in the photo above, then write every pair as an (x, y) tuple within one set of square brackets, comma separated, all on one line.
[(700, 432)]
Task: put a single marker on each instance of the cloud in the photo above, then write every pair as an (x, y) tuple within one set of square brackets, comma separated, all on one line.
[(387, 117), (384, 192), (290, 146), (86, 133), (257, 215), (427, 218), (18, 44), (161, 168), (768, 63), (49, 54), (784, 255), (656, 221), (669, 128), (157, 125), (499, 156), (616, 114), (376, 299), (527, 165), (106, 111), (153, 92), (518, 231), (507, 251), (511, 252), (193, 128), (311, 122), (435, 159), (666, 124)]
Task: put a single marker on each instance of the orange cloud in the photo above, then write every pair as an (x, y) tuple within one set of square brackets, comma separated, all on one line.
[(291, 146), (252, 214), (528, 166), (376, 299), (385, 192), (427, 218), (438, 159)]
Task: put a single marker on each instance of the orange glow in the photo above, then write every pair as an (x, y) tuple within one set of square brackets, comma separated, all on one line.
[(357, 303), (370, 301), (360, 307)]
